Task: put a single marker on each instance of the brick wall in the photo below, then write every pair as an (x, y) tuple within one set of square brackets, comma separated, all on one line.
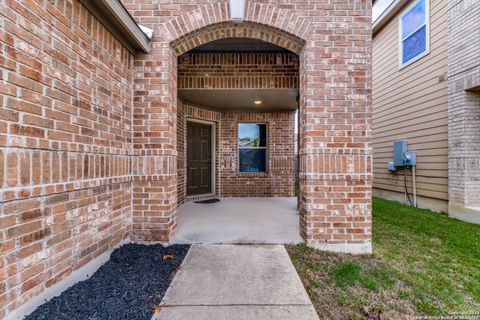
[(279, 180), (238, 71), (333, 41), (65, 135), (463, 109)]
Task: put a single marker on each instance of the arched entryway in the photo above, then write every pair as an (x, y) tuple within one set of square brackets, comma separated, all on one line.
[(237, 142), (334, 118), (238, 94)]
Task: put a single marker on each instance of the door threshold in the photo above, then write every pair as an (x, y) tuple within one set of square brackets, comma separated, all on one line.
[(199, 197)]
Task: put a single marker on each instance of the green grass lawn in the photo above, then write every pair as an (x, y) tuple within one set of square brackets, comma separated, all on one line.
[(424, 263)]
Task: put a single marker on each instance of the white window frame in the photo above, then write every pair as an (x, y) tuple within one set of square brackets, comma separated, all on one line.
[(239, 148), (427, 33)]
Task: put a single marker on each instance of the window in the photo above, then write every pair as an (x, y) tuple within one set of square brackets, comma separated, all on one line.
[(252, 147), (414, 32)]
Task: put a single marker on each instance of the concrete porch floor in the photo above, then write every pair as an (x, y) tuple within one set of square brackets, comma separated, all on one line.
[(239, 220)]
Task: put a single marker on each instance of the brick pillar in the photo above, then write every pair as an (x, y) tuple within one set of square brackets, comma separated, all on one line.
[(154, 143), (464, 110), (335, 152), (154, 165)]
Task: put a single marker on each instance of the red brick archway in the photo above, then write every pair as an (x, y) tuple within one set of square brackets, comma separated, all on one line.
[(335, 155), (285, 20), (232, 29)]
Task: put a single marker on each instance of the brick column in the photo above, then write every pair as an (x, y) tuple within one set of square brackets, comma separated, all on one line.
[(154, 144), (335, 153), (464, 110)]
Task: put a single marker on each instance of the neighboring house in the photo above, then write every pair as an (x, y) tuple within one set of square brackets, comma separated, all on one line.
[(426, 76), (105, 129)]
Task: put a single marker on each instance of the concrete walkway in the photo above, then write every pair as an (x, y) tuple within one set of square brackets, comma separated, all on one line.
[(239, 220), (236, 282)]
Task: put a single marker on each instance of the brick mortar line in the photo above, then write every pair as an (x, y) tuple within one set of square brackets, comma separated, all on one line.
[(47, 107), (60, 142), (101, 182), (463, 71), (5, 147)]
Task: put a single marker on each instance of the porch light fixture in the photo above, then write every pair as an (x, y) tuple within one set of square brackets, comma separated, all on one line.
[(257, 102)]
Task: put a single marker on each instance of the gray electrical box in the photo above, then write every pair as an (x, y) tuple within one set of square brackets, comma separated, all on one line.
[(401, 156), (410, 158), (399, 149)]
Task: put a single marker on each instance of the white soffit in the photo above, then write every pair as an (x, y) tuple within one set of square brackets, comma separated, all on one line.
[(237, 9), (384, 10), (379, 8)]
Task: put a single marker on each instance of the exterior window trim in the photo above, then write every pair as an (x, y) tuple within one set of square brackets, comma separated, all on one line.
[(427, 34), (266, 148)]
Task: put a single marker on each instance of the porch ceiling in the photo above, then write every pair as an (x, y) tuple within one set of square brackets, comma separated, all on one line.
[(273, 100), (238, 45)]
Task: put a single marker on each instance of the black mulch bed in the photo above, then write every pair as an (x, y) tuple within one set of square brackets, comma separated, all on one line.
[(128, 286)]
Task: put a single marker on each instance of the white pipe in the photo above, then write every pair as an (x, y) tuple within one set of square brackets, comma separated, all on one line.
[(414, 187)]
